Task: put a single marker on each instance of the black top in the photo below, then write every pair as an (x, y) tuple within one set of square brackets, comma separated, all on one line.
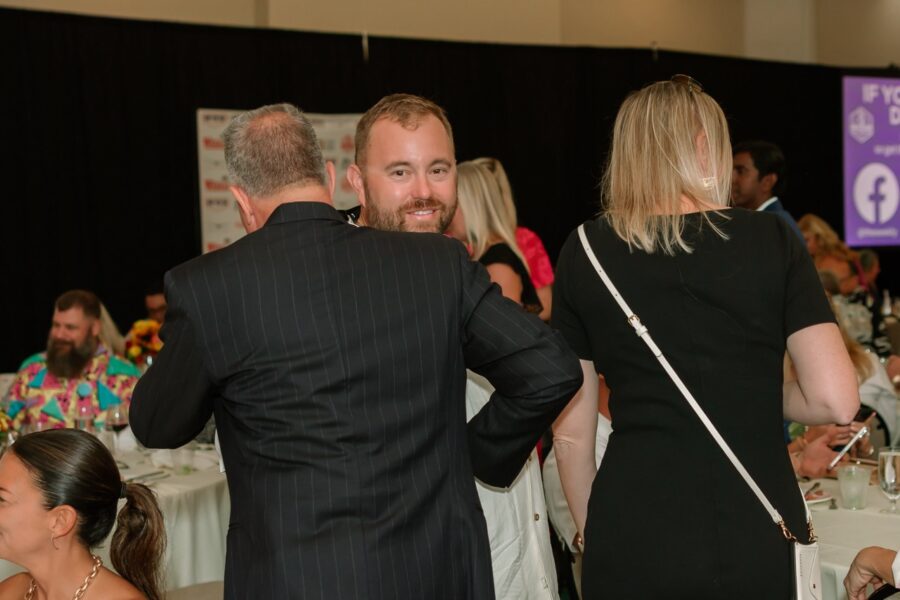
[(502, 253), (665, 495)]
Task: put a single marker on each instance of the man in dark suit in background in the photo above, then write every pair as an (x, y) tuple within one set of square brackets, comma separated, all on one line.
[(334, 360), (759, 178)]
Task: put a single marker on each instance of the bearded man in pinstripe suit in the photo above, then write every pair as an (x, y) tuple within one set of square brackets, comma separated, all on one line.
[(334, 359)]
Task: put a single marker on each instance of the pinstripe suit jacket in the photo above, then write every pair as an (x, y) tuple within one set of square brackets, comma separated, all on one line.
[(334, 359)]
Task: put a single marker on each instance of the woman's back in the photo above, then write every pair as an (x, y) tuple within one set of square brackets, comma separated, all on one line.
[(721, 315)]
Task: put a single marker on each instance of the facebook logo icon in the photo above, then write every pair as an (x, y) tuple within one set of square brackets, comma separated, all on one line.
[(876, 193)]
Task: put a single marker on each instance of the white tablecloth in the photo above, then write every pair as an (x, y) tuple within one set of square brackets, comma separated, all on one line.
[(842, 533), (196, 509)]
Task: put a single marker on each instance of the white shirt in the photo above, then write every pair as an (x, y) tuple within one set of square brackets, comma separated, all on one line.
[(765, 204), (878, 392), (557, 506), (521, 555)]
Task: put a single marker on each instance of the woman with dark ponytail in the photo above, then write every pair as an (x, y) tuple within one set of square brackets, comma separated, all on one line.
[(59, 495)]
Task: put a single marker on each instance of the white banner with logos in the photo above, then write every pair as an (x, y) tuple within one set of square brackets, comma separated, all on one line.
[(220, 221)]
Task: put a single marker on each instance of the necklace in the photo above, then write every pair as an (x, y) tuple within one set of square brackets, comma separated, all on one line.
[(79, 593)]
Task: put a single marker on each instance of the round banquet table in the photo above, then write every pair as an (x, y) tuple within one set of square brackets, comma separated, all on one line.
[(196, 508), (842, 533)]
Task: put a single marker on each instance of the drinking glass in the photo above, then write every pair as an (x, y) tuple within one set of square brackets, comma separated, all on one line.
[(889, 475), (117, 417), (84, 418), (116, 421)]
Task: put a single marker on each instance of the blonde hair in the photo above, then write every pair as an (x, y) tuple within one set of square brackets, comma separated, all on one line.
[(496, 168), (669, 139), (110, 336), (481, 203), (828, 242), (858, 355)]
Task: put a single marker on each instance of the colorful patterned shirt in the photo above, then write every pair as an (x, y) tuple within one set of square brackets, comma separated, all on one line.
[(37, 396)]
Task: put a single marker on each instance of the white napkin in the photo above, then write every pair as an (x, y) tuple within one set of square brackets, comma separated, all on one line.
[(125, 441), (203, 459)]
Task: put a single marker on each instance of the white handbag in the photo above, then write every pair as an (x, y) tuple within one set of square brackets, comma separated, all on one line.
[(807, 572)]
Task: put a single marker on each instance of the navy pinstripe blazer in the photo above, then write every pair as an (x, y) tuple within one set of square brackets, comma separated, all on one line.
[(334, 360)]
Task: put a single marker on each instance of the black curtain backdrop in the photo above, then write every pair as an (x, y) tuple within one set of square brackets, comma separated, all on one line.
[(99, 151)]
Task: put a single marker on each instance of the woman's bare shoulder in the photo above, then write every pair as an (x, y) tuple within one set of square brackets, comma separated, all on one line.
[(15, 586), (113, 587)]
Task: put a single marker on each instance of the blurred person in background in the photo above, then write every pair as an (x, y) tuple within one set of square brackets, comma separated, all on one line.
[(482, 223), (540, 268), (77, 378)]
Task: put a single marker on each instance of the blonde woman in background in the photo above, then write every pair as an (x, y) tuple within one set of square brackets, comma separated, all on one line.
[(531, 246), (110, 336), (669, 515), (482, 222), (830, 253)]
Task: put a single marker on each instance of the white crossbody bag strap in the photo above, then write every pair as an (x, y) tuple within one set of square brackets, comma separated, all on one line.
[(644, 334)]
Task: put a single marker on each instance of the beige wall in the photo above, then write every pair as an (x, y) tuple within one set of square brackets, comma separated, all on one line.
[(516, 21), (836, 32), (708, 26), (858, 32), (780, 30)]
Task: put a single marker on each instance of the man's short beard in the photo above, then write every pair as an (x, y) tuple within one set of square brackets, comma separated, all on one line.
[(70, 363), (385, 220)]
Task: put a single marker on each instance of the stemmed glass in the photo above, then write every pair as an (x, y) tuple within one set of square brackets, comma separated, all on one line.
[(116, 421), (889, 475), (117, 417)]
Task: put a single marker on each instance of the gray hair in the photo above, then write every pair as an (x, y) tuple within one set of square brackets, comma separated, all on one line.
[(270, 148)]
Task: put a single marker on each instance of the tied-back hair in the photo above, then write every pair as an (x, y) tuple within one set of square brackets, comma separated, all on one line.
[(481, 202), (74, 468), (669, 139)]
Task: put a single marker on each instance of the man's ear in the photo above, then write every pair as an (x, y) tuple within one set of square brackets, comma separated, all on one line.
[(96, 326), (62, 520), (355, 177), (245, 208), (331, 174), (768, 182)]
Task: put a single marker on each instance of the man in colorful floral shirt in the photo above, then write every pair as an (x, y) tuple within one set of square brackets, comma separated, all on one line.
[(77, 379)]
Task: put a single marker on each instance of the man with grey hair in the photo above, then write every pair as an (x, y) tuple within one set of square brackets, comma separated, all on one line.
[(334, 360)]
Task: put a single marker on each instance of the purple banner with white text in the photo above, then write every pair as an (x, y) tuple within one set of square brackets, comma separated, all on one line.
[(871, 161)]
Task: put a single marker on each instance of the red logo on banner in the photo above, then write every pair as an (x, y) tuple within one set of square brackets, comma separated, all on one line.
[(347, 143), (215, 186), (213, 143)]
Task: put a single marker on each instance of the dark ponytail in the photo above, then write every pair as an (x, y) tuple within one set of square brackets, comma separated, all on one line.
[(72, 467), (139, 542)]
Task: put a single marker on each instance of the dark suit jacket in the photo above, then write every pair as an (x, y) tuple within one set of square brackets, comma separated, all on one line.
[(334, 359), (777, 208)]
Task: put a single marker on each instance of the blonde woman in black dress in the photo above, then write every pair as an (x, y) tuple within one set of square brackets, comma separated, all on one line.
[(724, 292)]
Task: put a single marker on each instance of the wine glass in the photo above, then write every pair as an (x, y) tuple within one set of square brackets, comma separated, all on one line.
[(117, 417), (116, 421), (889, 475)]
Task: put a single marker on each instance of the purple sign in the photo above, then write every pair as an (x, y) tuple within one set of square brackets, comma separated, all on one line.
[(871, 161)]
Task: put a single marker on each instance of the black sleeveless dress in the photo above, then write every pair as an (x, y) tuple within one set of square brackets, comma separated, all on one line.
[(502, 253), (668, 514)]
